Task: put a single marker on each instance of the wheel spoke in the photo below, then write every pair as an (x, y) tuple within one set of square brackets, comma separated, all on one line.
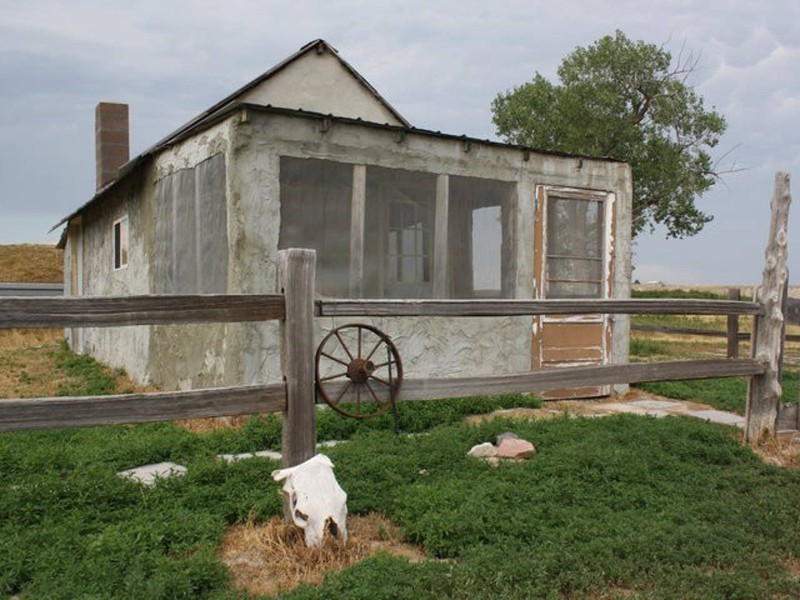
[(359, 342), (358, 399), (369, 387), (341, 341), (329, 377), (381, 380), (341, 394), (383, 364), (333, 358), (377, 345)]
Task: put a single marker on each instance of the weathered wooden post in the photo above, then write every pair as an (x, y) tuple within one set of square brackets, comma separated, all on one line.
[(733, 326), (764, 391), (296, 272)]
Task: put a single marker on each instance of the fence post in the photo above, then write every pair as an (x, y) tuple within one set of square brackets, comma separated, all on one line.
[(764, 391), (733, 326), (296, 271)]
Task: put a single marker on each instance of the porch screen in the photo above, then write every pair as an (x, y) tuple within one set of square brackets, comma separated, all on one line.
[(315, 213), (398, 237), (480, 222), (575, 234), (191, 230)]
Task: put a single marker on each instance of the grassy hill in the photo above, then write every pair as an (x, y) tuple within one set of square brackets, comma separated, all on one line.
[(31, 263)]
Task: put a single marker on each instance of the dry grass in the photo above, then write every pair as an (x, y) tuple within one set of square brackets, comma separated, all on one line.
[(31, 263), (33, 372), (272, 557), (782, 450), (209, 424), (20, 338)]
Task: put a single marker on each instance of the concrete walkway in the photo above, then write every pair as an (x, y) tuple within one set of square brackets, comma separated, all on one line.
[(635, 402)]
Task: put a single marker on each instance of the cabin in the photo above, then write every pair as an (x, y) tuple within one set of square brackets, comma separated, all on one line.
[(310, 155)]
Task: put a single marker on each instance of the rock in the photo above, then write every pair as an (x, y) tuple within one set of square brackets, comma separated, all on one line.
[(508, 435), (484, 450), (150, 474), (515, 448)]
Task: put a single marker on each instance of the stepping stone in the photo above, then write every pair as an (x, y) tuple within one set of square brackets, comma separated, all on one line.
[(232, 458), (150, 474), (717, 416), (656, 404)]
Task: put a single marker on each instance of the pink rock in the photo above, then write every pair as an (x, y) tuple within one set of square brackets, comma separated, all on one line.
[(515, 448)]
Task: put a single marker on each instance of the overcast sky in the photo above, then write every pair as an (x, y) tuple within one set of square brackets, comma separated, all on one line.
[(440, 64)]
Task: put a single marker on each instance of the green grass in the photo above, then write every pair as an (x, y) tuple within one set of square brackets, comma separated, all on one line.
[(729, 393), (658, 507), (623, 506)]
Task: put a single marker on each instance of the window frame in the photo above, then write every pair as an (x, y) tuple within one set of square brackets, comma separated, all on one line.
[(602, 201), (120, 240)]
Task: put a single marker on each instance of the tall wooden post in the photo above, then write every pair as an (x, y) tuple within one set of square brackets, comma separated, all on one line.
[(296, 272), (733, 326), (764, 391)]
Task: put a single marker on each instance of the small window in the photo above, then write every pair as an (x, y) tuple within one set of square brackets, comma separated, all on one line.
[(121, 243), (575, 235)]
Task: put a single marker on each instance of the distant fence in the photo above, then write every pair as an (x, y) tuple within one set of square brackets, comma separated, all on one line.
[(31, 289), (790, 309), (296, 307)]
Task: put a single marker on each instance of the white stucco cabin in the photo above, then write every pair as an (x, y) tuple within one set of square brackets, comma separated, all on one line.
[(310, 155)]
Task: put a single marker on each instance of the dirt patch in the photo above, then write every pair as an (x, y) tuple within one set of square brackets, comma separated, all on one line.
[(209, 424), (31, 263), (272, 557), (782, 450)]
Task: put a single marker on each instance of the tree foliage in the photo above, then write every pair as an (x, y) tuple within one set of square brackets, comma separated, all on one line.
[(625, 100)]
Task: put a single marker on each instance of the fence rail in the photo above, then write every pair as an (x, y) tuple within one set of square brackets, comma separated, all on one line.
[(110, 311), (31, 289), (505, 308), (295, 308)]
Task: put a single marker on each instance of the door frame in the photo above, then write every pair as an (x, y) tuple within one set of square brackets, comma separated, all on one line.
[(541, 322)]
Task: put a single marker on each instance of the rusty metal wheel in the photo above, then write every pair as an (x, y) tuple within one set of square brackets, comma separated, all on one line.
[(358, 371)]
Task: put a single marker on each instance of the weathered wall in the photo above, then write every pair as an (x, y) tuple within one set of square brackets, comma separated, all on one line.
[(123, 347), (433, 346), (308, 84), (252, 142), (191, 356)]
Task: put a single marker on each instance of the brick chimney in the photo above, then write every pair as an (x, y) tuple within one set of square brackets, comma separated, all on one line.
[(111, 140)]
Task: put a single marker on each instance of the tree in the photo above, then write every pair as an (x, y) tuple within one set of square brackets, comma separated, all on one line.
[(622, 99)]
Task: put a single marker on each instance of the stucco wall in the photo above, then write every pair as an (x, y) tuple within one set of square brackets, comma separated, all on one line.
[(252, 142), (121, 347), (432, 346), (308, 84)]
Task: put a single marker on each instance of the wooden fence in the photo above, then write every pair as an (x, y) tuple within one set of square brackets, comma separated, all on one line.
[(790, 309), (295, 308)]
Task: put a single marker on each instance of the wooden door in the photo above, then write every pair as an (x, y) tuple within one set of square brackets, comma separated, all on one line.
[(573, 246)]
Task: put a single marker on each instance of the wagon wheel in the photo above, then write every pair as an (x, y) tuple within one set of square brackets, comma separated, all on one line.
[(358, 371)]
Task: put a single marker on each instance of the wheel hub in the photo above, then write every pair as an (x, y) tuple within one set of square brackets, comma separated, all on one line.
[(359, 370)]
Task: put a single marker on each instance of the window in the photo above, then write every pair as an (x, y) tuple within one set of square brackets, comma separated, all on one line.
[(315, 213), (398, 233), (408, 243), (575, 234), (191, 230), (121, 243), (388, 250), (480, 254)]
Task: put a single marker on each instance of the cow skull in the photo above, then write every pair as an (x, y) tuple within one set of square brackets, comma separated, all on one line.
[(315, 498)]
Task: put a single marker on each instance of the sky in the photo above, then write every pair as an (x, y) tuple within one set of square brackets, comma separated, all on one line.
[(440, 64)]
